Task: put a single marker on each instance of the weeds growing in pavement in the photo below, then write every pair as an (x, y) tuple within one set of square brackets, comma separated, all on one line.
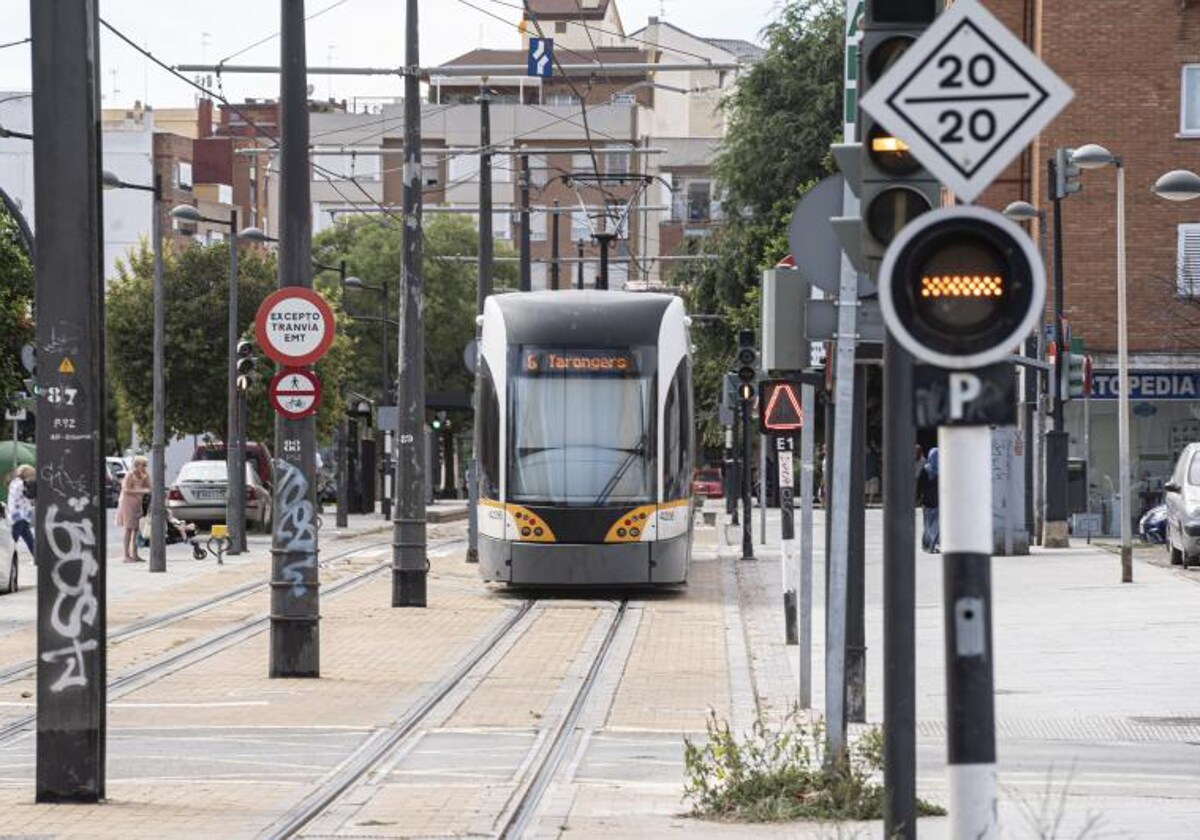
[(780, 774), (1046, 815)]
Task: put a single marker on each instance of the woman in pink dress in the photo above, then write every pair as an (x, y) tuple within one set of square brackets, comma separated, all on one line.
[(134, 487)]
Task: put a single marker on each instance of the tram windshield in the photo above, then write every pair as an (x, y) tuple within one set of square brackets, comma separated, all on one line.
[(582, 431)]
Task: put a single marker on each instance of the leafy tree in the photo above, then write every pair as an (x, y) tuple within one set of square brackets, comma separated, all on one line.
[(371, 247), (16, 306), (782, 117), (196, 349)]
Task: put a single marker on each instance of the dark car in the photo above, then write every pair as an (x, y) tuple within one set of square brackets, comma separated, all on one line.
[(707, 482), (1152, 527), (1182, 498)]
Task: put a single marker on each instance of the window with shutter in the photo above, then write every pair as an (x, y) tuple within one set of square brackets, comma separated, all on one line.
[(1187, 279)]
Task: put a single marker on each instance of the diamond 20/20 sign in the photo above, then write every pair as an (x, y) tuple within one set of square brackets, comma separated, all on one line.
[(967, 98)]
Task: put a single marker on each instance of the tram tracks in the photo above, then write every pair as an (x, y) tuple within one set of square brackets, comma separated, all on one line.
[(373, 757), (198, 650)]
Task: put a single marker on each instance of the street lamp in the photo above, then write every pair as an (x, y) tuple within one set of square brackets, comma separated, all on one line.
[(235, 454), (1023, 211), (158, 471), (1178, 185), (1092, 156), (385, 395)]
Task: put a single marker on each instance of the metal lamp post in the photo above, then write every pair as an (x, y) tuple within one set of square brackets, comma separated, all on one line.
[(1023, 211), (158, 470), (235, 452), (1092, 156)]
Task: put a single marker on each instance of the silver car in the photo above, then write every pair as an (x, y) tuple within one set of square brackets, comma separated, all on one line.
[(1182, 497), (8, 556), (199, 494)]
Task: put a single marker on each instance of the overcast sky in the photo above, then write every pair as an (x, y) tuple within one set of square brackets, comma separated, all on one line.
[(352, 33)]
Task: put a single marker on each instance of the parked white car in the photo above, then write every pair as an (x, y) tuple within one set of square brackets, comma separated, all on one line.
[(199, 491)]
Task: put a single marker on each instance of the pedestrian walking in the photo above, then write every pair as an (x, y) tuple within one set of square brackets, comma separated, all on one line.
[(20, 506), (135, 486), (927, 498)]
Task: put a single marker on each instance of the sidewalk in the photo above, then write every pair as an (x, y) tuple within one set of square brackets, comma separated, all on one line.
[(1097, 682)]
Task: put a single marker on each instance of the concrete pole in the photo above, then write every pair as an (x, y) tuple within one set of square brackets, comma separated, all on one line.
[(965, 491), (158, 468), (409, 558), (69, 292), (385, 399), (747, 510)]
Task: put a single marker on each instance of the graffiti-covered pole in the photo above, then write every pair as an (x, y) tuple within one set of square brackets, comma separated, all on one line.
[(409, 562), (70, 532), (295, 631)]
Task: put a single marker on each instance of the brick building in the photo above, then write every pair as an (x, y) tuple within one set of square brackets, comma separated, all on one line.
[(1135, 70)]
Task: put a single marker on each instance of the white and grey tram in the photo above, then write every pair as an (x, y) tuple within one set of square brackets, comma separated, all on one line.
[(587, 439)]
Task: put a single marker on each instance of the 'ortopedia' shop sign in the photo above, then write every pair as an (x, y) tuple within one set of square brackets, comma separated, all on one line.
[(1148, 385), (294, 326)]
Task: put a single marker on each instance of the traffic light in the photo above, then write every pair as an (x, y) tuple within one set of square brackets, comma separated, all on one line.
[(440, 422), (1066, 174), (894, 188), (961, 287), (747, 364), (1078, 375), (247, 362)]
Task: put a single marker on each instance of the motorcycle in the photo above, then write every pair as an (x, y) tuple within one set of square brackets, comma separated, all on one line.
[(1152, 527)]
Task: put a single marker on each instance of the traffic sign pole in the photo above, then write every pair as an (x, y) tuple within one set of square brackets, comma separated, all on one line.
[(784, 446), (965, 494)]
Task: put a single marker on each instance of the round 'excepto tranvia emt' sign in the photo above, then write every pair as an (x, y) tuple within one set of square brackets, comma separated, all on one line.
[(294, 326)]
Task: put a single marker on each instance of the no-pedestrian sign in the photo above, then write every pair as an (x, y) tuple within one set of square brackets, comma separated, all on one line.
[(295, 394), (294, 326), (967, 98)]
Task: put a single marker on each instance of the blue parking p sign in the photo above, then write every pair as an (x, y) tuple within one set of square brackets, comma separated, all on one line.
[(541, 57)]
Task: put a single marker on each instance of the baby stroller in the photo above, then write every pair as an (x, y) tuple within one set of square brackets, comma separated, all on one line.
[(176, 531)]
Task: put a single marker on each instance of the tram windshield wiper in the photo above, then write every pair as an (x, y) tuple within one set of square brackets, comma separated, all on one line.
[(622, 468)]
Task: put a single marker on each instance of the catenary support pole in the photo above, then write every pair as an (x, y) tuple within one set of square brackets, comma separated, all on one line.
[(483, 289), (409, 558), (158, 466), (579, 266), (235, 444), (555, 255), (747, 527), (69, 295), (1054, 534), (804, 586), (965, 493), (899, 596), (526, 238), (295, 604)]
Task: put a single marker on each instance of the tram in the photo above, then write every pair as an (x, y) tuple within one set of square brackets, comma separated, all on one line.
[(586, 439)]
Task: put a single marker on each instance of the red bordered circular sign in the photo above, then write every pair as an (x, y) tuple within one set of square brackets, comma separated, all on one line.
[(294, 326), (295, 393)]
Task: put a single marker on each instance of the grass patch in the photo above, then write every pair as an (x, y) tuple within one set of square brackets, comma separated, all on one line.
[(780, 774)]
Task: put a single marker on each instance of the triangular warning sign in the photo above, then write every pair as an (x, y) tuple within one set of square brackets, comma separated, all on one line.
[(783, 413), (66, 366)]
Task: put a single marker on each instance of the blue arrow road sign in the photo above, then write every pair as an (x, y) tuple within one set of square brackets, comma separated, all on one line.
[(541, 57)]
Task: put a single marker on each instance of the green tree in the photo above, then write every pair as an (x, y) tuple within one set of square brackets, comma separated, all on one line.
[(16, 306), (371, 247), (196, 349), (781, 116)]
